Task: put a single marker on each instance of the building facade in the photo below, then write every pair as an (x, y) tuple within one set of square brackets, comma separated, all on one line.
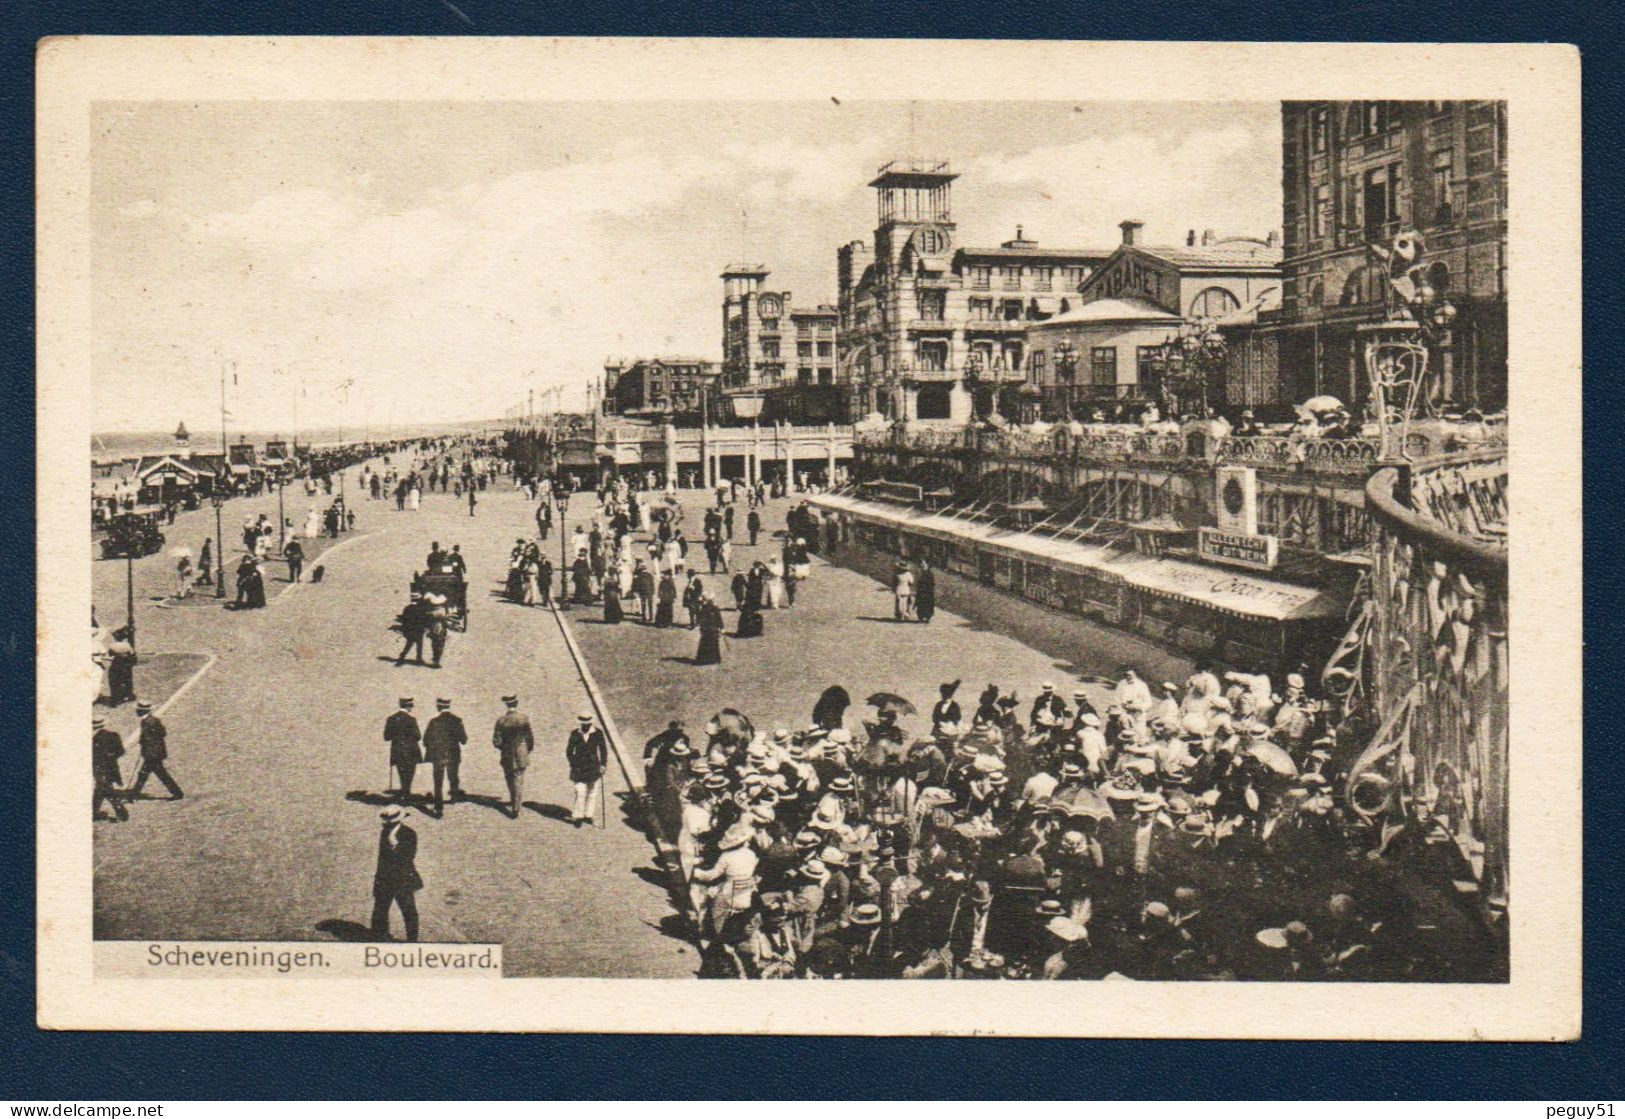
[(1114, 347), (778, 359), (658, 386), (1358, 173), (930, 329)]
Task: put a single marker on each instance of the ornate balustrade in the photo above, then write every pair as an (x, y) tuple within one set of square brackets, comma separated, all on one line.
[(1436, 661)]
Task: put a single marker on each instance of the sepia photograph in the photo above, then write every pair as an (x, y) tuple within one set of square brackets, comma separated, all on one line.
[(769, 536)]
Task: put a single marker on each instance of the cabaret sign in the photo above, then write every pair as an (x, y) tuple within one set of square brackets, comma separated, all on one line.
[(1244, 549)]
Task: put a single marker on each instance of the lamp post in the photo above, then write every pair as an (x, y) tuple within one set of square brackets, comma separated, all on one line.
[(218, 501), (561, 497), (1066, 368), (129, 593)]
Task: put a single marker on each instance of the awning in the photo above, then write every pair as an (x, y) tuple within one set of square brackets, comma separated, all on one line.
[(1218, 588)]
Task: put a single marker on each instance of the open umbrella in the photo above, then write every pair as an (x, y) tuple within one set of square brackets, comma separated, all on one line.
[(831, 707), (730, 726), (1084, 801), (1320, 406), (887, 701), (1274, 758)]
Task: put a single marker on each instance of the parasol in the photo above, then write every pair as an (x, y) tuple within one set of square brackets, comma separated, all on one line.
[(1320, 406), (888, 701), (1273, 757), (731, 725), (1084, 801), (831, 707), (180, 550)]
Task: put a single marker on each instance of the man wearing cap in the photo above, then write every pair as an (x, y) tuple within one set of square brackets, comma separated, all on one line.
[(514, 741), (405, 738), (443, 741), (587, 753), (106, 748), (396, 880), (154, 752)]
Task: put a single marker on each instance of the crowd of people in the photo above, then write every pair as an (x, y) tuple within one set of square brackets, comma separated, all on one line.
[(1043, 840)]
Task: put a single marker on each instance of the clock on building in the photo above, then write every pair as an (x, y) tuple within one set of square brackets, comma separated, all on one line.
[(770, 306)]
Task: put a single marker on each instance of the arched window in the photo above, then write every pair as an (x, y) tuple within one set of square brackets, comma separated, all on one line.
[(1213, 303)]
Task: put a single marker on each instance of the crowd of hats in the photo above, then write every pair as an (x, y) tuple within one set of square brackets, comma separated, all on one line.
[(1138, 841)]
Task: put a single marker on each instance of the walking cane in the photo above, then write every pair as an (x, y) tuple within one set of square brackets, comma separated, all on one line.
[(603, 800)]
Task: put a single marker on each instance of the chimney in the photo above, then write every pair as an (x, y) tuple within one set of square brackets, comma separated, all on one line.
[(1273, 239), (1130, 228), (1207, 236), (1190, 238)]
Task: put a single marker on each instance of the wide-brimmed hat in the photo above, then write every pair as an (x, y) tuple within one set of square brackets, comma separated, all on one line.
[(1148, 802), (394, 812), (814, 870), (763, 814), (866, 914), (680, 749), (997, 778), (797, 752), (1293, 680), (841, 784), (737, 835), (808, 839), (716, 781), (1089, 719), (1067, 929), (833, 856), (584, 717), (781, 735), (699, 766), (840, 736)]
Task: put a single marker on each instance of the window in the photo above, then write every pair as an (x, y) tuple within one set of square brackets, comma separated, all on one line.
[(1148, 369), (1103, 366), (931, 354), (1381, 197), (1317, 131), (804, 349), (981, 276), (1044, 278), (933, 304), (1351, 203), (1073, 275), (1443, 199), (770, 325), (1010, 310), (1012, 277), (1212, 303), (1373, 118), (770, 347), (981, 309), (826, 375), (826, 349), (804, 375), (1039, 362), (1323, 210)]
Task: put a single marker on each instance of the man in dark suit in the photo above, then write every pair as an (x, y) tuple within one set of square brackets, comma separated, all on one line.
[(443, 741), (514, 741), (587, 753), (405, 751), (154, 752), (396, 881), (946, 710), (106, 748), (413, 623)]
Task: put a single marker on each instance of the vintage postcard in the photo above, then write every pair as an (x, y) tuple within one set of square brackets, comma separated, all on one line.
[(562, 519)]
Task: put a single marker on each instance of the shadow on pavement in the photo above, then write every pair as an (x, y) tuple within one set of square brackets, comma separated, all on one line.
[(340, 929), (551, 811)]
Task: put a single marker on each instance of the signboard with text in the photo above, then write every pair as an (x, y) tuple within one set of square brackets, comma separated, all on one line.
[(1243, 549)]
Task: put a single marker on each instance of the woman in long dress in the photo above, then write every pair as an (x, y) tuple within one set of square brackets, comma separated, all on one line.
[(710, 651), (414, 500), (773, 584), (313, 524), (612, 605)]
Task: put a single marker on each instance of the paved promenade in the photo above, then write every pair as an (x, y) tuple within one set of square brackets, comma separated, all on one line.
[(278, 746)]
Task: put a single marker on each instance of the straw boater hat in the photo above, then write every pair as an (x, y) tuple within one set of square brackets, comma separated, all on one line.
[(807, 840), (716, 781), (97, 722), (1148, 802), (699, 767), (762, 814), (866, 914), (680, 749), (997, 778), (511, 700), (1067, 929), (737, 835), (840, 736), (814, 870), (1089, 719), (781, 737), (833, 856), (1050, 907), (393, 813), (841, 784)]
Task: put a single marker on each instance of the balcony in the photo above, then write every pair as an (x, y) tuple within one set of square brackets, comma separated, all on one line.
[(996, 326), (930, 324)]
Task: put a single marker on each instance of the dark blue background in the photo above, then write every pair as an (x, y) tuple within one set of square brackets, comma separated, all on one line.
[(133, 1067)]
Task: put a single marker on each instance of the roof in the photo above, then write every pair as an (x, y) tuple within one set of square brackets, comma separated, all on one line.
[(1126, 309), (1225, 254), (744, 270), (1036, 252), (1218, 588), (822, 311)]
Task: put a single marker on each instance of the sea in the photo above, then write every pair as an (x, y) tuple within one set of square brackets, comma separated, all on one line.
[(112, 445)]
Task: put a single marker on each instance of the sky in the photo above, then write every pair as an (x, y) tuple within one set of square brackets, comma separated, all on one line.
[(414, 262)]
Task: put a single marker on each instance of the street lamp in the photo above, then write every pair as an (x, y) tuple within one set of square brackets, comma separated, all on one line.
[(218, 500), (1066, 368), (561, 497), (129, 592)]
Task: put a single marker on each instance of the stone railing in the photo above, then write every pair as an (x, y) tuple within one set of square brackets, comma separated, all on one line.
[(1437, 664), (1285, 452)]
